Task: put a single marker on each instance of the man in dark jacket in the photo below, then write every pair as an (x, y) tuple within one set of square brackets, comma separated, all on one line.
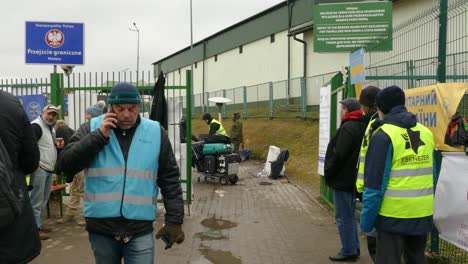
[(19, 242), (126, 159), (340, 175), (398, 182), (367, 101), (237, 136)]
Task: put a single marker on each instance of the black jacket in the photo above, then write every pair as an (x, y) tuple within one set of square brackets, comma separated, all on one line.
[(159, 105), (82, 150), (19, 243), (342, 155)]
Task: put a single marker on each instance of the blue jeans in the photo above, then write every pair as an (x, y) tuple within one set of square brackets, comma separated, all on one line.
[(108, 250), (39, 195), (345, 205)]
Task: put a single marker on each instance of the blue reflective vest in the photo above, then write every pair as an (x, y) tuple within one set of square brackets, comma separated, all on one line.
[(115, 188)]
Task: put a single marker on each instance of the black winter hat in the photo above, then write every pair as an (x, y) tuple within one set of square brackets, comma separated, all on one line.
[(124, 93), (367, 96), (207, 116), (390, 97), (351, 104)]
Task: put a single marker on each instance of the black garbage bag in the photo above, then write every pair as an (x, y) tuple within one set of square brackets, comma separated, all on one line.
[(277, 165)]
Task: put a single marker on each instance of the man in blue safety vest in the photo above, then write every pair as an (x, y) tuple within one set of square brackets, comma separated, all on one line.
[(398, 182), (126, 159)]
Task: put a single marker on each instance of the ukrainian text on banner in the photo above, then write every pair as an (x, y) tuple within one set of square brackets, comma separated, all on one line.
[(33, 105), (450, 200), (434, 105)]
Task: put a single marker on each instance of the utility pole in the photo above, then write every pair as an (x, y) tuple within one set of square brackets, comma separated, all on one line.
[(138, 49)]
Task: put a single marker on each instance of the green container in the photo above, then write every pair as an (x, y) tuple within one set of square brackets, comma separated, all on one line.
[(217, 148)]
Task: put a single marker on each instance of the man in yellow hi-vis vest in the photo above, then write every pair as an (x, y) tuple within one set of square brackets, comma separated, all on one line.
[(367, 101), (215, 127), (398, 182)]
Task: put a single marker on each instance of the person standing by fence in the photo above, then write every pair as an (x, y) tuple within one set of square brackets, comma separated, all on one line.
[(41, 179), (74, 205), (62, 130), (340, 175), (398, 182), (237, 136), (367, 101)]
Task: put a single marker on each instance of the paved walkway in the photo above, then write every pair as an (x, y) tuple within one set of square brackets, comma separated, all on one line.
[(255, 221)]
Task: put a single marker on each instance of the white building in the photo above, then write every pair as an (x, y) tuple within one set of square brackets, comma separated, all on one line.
[(265, 48)]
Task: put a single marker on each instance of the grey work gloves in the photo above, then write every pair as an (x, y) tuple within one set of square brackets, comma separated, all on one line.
[(170, 234)]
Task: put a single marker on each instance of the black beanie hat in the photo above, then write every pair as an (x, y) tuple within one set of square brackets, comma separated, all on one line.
[(390, 97), (351, 104), (124, 93), (207, 116), (367, 96)]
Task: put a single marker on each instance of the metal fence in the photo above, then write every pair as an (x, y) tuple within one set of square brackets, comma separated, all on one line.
[(265, 100), (431, 47)]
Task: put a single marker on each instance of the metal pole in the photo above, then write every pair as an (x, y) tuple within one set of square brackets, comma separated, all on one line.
[(138, 49), (138, 54), (191, 52), (441, 67)]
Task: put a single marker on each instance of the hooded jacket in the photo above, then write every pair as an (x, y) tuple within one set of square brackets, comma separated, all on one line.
[(376, 172), (20, 241), (343, 152)]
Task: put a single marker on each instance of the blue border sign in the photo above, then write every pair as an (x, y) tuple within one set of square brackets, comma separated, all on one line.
[(356, 64), (55, 43), (32, 105)]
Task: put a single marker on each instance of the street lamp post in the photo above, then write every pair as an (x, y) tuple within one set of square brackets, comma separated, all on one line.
[(138, 49)]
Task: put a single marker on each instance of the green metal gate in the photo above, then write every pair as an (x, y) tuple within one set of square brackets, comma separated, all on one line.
[(81, 90)]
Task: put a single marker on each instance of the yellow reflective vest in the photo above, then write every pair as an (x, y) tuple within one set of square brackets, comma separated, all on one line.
[(220, 130), (362, 156), (409, 192)]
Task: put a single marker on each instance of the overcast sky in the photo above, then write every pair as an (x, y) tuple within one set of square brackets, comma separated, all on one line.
[(109, 44)]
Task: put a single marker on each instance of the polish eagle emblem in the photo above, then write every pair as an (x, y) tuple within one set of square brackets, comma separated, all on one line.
[(54, 38)]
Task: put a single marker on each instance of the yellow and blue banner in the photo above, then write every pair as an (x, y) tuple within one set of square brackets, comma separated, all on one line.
[(434, 105)]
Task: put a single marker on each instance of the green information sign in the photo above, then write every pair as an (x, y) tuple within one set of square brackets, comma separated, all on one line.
[(349, 26)]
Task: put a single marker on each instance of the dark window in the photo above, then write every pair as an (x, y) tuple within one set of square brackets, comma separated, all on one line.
[(216, 57), (179, 70), (241, 49), (195, 65), (272, 38)]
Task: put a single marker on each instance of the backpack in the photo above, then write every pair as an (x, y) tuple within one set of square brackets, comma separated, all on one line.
[(457, 131), (10, 205)]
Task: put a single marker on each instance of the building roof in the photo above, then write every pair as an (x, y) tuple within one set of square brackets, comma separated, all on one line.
[(258, 26)]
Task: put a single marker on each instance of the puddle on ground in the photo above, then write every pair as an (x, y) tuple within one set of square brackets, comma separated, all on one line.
[(210, 235), (219, 256), (218, 224)]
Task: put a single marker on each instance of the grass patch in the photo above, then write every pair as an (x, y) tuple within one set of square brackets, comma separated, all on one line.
[(298, 136)]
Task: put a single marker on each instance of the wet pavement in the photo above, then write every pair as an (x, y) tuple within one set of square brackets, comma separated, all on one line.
[(258, 220)]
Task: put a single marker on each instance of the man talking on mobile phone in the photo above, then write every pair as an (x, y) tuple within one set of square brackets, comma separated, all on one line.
[(126, 159)]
